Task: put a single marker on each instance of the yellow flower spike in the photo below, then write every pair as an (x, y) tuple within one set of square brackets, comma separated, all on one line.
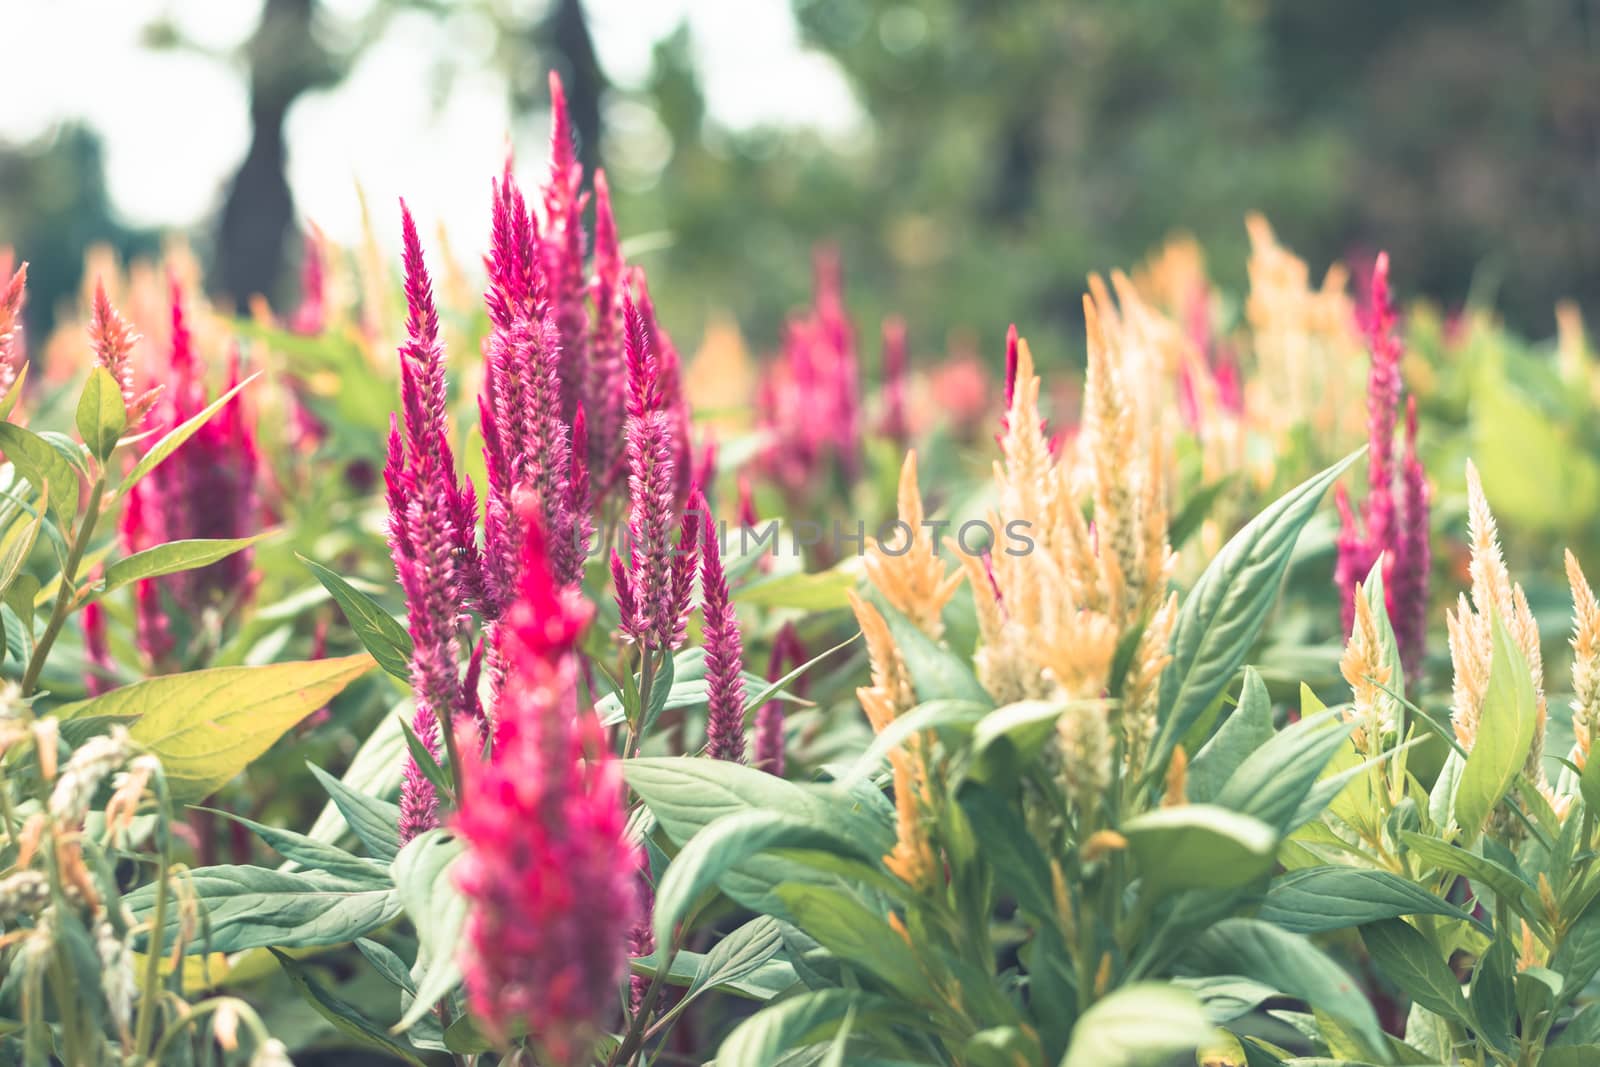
[(911, 859), (1176, 794), (1470, 629), (1585, 662), (1529, 957), (1363, 667), (911, 575), (891, 684), (1102, 843), (1547, 900), (1102, 976), (45, 732)]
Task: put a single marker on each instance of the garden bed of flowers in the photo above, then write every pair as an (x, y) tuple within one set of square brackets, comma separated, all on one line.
[(422, 677)]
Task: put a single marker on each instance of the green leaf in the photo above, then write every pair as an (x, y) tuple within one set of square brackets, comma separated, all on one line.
[(688, 793), (425, 761), (1577, 958), (207, 726), (176, 437), (13, 394), (1318, 900), (386, 963), (936, 673), (859, 935), (102, 415), (1020, 865), (172, 558), (1504, 882), (18, 546), (1199, 846), (313, 855), (423, 878), (1407, 959), (1505, 734), (1138, 1024), (802, 1020), (960, 715), (374, 822), (1289, 963), (344, 1016), (738, 955), (49, 472), (1570, 1056), (1247, 729), (374, 773), (375, 628), (1274, 780), (729, 842), (1196, 510), (253, 907), (801, 590), (1013, 736), (1226, 609)]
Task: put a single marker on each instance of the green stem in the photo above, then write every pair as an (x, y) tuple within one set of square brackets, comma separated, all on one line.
[(150, 993), (67, 593)]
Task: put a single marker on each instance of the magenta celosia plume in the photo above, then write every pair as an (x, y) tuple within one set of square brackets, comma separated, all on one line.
[(528, 445), (1398, 533), (606, 384), (787, 649), (563, 252), (12, 297), (547, 868), (205, 489), (432, 522), (895, 423), (809, 401), (723, 647), (653, 587)]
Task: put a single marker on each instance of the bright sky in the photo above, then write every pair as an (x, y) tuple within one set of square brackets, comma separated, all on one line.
[(175, 123)]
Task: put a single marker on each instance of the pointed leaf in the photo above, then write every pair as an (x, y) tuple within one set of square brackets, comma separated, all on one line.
[(102, 415), (173, 558)]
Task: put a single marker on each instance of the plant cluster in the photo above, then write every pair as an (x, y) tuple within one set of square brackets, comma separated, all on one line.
[(1174, 775)]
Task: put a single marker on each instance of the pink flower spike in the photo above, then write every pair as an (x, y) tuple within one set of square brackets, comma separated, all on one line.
[(605, 387), (1407, 589), (548, 869), (896, 425), (563, 253), (97, 650), (723, 646)]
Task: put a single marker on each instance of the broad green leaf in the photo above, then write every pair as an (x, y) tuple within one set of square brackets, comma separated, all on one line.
[(386, 963), (176, 437), (1584, 1029), (936, 673), (802, 1020), (313, 855), (1010, 738), (1226, 609), (1577, 958), (438, 910), (858, 935), (1289, 963), (173, 558), (688, 793), (253, 907), (1199, 846), (48, 471), (1274, 780), (102, 415), (1247, 729), (1318, 900), (356, 801), (1571, 1056), (738, 955), (1481, 872), (344, 1016), (1020, 866), (1406, 958), (728, 842), (1138, 1024), (207, 726), (1505, 733), (375, 628)]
